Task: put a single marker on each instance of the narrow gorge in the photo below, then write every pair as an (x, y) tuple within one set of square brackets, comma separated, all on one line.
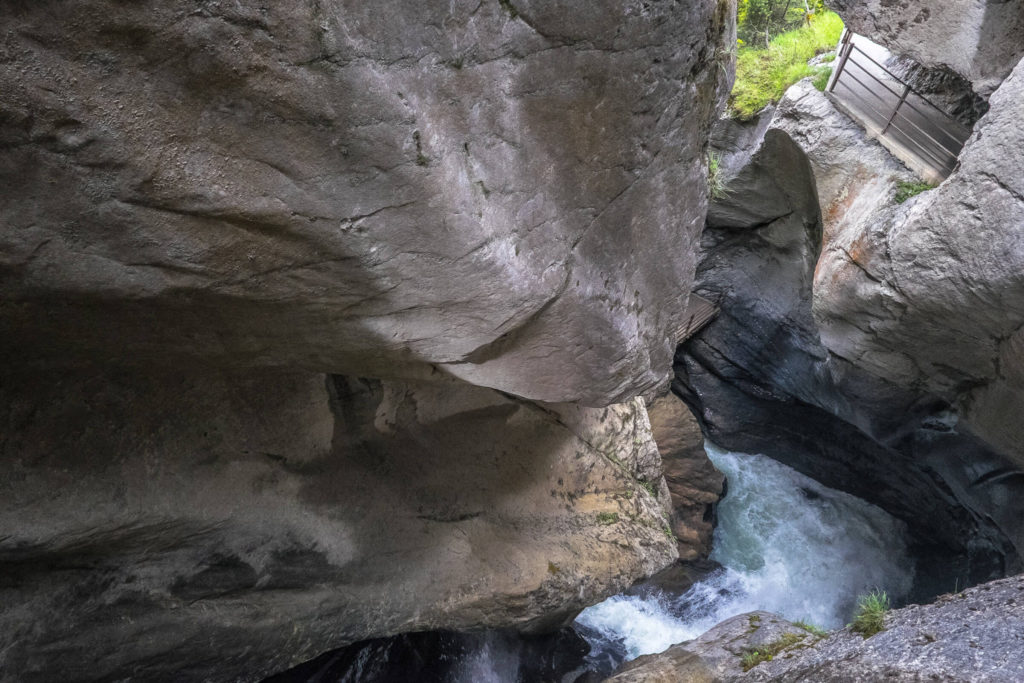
[(495, 341)]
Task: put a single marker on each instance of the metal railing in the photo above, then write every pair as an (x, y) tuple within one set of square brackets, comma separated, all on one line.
[(899, 112)]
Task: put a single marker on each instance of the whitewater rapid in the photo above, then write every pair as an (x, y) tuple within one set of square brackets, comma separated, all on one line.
[(785, 543)]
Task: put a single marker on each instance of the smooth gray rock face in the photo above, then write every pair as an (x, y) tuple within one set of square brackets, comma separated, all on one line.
[(716, 655), (223, 526), (854, 175), (694, 485), (967, 637), (982, 40), (972, 636), (507, 191), (931, 294)]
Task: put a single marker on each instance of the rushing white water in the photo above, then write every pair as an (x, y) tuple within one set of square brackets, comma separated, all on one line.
[(786, 544)]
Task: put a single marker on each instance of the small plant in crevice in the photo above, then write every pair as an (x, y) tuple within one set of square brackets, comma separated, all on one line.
[(769, 651), (869, 617), (607, 518), (907, 189), (811, 628), (716, 177), (508, 7), (821, 77)]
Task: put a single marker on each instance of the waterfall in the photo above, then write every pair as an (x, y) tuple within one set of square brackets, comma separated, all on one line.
[(785, 543)]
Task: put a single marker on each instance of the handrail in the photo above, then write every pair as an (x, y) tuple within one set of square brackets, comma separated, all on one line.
[(940, 161), (896, 110), (929, 134), (900, 80)]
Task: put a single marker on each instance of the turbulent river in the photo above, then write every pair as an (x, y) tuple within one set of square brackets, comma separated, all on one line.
[(785, 543)]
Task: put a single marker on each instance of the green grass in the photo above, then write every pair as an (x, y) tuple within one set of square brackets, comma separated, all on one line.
[(869, 617), (768, 651), (811, 628), (716, 177), (821, 76), (762, 75), (607, 518), (905, 190)]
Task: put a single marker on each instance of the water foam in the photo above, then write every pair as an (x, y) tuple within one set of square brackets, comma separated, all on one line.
[(786, 544)]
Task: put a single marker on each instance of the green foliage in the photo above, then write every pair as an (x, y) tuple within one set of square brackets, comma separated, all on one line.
[(716, 176), (769, 651), (821, 76), (649, 487), (869, 617), (762, 75), (811, 628), (607, 518), (905, 190), (757, 21), (509, 8)]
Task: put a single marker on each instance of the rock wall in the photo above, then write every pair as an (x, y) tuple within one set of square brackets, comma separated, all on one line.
[(982, 40), (761, 378), (226, 526), (216, 215), (931, 294), (966, 636), (508, 191), (694, 486)]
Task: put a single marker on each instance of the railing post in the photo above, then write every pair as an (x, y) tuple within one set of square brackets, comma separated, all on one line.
[(845, 47), (903, 98)]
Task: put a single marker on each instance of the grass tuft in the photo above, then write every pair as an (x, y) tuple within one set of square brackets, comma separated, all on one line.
[(811, 628), (768, 651), (821, 77), (762, 75), (607, 518), (905, 190), (869, 618), (716, 177)]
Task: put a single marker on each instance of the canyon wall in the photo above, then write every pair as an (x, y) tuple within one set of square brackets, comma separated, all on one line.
[(230, 525), (769, 374), (218, 217), (510, 192)]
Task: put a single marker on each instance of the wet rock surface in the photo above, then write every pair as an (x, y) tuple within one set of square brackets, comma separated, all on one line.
[(444, 657), (761, 380), (694, 485), (227, 526), (509, 191), (970, 636), (716, 655)]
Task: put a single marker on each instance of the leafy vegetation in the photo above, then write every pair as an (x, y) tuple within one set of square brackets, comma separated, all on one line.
[(905, 190), (716, 176), (763, 74), (769, 651), (759, 20), (869, 618)]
